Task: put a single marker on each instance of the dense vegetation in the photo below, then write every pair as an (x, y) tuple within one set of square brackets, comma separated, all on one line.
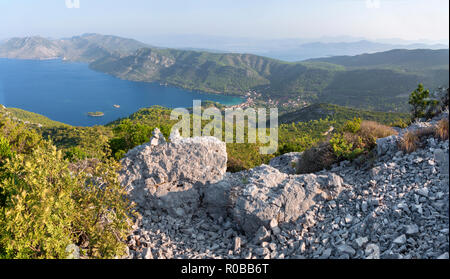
[(48, 205), (298, 131), (342, 114), (380, 81), (30, 117)]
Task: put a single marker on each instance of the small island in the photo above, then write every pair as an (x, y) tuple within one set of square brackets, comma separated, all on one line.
[(96, 114)]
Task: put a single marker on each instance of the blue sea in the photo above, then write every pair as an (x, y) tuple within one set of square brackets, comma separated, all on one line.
[(67, 91)]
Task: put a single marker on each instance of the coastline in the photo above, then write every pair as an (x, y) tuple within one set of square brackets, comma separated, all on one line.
[(130, 97), (159, 82)]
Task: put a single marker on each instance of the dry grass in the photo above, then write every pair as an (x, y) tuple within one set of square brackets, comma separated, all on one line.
[(376, 130), (371, 131), (426, 132), (441, 130), (410, 142), (413, 140)]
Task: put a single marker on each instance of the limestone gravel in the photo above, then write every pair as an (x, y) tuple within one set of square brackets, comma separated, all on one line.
[(395, 207)]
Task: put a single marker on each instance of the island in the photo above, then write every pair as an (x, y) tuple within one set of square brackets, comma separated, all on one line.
[(96, 114)]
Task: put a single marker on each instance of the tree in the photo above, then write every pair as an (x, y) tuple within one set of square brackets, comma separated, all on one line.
[(419, 101)]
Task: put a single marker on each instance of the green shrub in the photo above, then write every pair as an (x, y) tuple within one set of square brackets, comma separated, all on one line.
[(21, 139), (344, 149), (129, 134), (119, 154), (5, 149), (47, 206), (90, 142), (235, 165), (75, 154), (353, 126), (290, 147), (400, 123)]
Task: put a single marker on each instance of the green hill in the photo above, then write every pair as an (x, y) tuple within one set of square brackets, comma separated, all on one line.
[(341, 114), (220, 73), (372, 81), (31, 117), (413, 60)]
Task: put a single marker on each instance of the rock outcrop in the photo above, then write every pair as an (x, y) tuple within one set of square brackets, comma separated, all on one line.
[(397, 208), (286, 162), (264, 194), (169, 175)]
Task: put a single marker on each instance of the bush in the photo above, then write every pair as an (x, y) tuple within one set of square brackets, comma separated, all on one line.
[(235, 165), (129, 134), (75, 154), (353, 126), (400, 124), (409, 142), (47, 206), (371, 131), (290, 147), (21, 139), (357, 138), (316, 159), (80, 142), (343, 149), (441, 130), (5, 149)]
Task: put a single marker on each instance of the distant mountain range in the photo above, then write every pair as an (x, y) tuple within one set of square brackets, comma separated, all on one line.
[(380, 81), (291, 49), (85, 48), (318, 49)]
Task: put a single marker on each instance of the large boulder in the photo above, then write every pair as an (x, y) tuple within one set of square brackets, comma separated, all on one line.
[(256, 197), (170, 175)]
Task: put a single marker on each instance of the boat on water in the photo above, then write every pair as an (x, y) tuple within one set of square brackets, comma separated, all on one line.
[(116, 106)]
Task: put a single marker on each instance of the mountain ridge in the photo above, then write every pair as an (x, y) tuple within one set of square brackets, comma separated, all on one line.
[(84, 48), (379, 81), (309, 81)]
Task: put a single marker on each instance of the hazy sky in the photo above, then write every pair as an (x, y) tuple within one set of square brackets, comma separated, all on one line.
[(373, 19)]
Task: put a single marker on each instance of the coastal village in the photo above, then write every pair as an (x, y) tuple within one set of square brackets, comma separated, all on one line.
[(254, 98)]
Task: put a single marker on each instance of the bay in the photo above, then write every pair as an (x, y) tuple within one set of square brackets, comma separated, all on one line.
[(67, 91)]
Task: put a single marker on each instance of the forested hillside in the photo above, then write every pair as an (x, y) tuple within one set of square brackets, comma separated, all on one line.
[(298, 131), (374, 82), (379, 81)]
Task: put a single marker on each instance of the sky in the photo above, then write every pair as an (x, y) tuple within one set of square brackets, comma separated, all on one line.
[(268, 19)]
